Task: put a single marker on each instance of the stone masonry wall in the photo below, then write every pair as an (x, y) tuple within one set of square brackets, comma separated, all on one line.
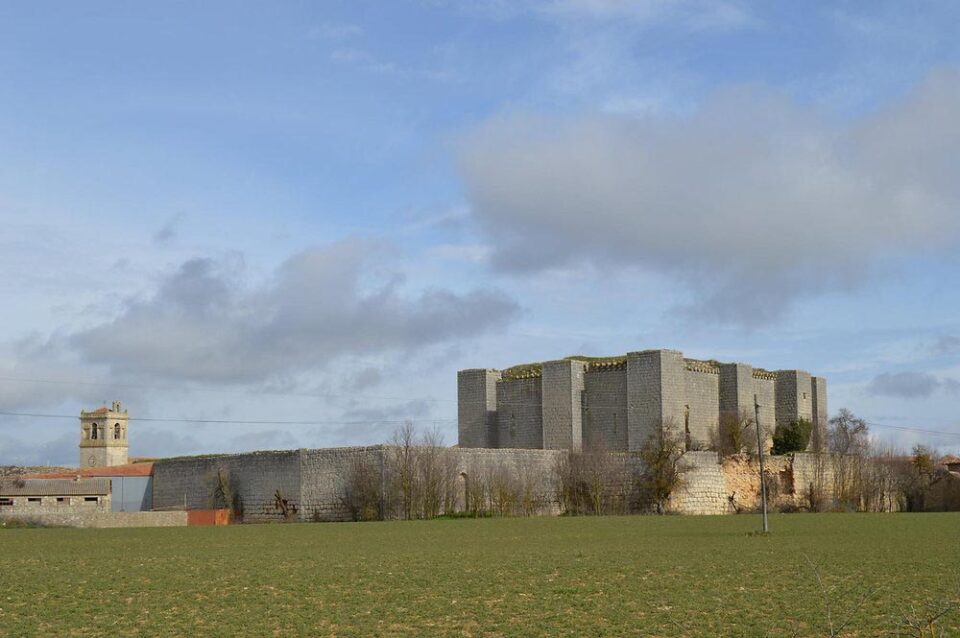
[(818, 392), (323, 474), (605, 409), (702, 395), (477, 407), (623, 400), (765, 389), (313, 480), (702, 489), (519, 413), (535, 468), (101, 519), (794, 396), (562, 410), (189, 483)]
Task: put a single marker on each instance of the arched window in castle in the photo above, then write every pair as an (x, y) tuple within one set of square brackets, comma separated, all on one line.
[(116, 431), (93, 431)]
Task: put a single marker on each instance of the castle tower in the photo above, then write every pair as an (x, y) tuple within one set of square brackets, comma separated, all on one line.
[(103, 436)]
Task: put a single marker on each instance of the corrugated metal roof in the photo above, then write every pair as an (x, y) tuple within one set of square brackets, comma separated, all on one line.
[(55, 487), (131, 469)]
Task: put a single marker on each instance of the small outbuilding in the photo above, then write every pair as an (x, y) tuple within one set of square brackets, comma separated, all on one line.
[(23, 496), (131, 484)]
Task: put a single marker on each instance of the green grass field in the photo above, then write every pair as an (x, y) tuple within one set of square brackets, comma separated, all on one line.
[(636, 576)]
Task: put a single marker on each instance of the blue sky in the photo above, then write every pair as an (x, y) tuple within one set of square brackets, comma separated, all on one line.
[(320, 211)]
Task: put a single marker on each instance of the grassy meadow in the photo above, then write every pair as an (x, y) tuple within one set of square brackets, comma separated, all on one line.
[(630, 576)]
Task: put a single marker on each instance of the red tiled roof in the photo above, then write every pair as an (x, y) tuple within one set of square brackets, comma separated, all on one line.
[(102, 410), (131, 469), (950, 458)]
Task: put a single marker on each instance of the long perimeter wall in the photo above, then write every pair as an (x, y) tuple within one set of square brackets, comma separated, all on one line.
[(313, 482)]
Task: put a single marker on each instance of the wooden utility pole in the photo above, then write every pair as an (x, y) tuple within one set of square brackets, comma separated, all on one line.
[(763, 479)]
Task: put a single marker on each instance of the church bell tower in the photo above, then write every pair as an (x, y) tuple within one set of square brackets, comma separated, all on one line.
[(103, 436)]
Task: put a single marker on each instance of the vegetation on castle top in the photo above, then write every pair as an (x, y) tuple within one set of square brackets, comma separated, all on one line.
[(535, 369), (669, 576), (522, 371)]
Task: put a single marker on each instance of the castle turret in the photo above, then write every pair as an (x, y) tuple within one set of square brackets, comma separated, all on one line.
[(103, 436)]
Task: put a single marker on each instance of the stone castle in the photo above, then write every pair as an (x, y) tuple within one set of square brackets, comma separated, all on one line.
[(516, 428), (616, 403)]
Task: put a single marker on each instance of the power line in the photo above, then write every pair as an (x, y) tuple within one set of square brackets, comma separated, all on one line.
[(905, 428), (236, 422), (183, 388)]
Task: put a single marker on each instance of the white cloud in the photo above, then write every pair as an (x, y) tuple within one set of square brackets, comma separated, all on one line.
[(751, 202)]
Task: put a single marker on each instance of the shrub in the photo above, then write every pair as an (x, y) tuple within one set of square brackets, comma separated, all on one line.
[(662, 474), (792, 438)]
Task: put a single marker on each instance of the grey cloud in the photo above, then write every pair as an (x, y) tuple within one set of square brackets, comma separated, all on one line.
[(751, 202), (946, 345), (168, 232), (204, 323), (365, 379), (909, 385)]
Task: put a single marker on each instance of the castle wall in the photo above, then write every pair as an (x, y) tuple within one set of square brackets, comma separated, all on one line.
[(477, 407), (190, 482), (315, 480), (766, 391), (562, 406), (535, 469), (323, 473), (794, 392), (617, 403), (816, 472), (702, 489), (702, 396), (655, 394), (520, 413), (736, 388), (818, 387), (605, 409)]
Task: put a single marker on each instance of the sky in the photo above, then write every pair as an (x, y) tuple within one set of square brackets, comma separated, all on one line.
[(278, 225)]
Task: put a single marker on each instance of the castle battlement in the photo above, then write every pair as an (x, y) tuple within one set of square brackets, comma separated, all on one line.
[(616, 403)]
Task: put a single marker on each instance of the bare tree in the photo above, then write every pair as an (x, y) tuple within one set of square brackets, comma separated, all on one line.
[(662, 473), (361, 492), (733, 433), (430, 473), (403, 469), (504, 492), (848, 441)]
